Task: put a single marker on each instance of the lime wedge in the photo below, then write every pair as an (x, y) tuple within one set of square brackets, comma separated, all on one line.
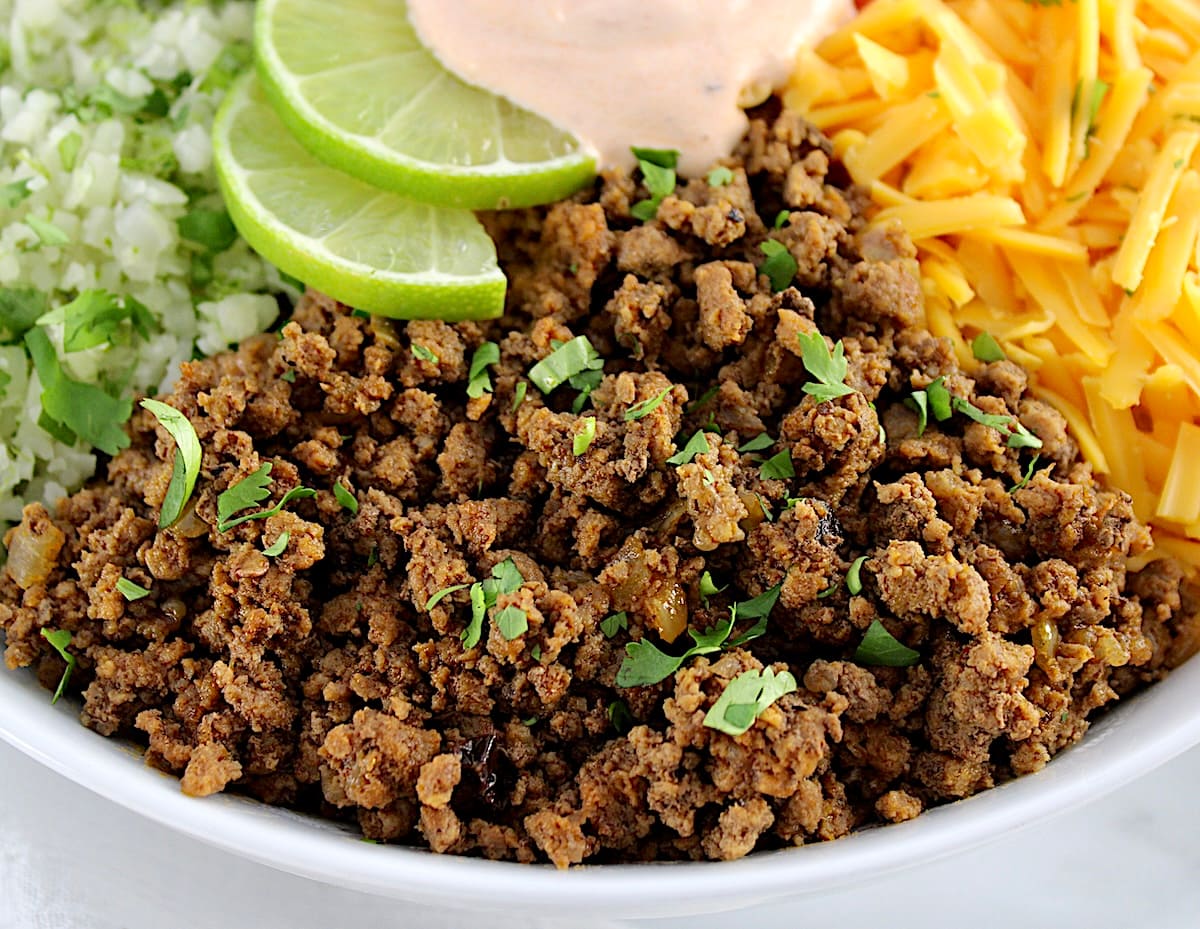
[(365, 247), (353, 83)]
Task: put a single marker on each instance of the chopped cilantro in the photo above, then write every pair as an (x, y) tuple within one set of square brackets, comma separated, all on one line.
[(658, 174), (584, 438), (759, 443), (519, 395), (854, 575), (47, 233), (479, 381), (512, 622), (703, 398), (20, 309), (251, 491), (1024, 481), (275, 549), (780, 267), (59, 639), (289, 376), (755, 608), (131, 591), (719, 176), (212, 229), (829, 369), (15, 193), (442, 595), (696, 445), (566, 361), (778, 467), (345, 498), (83, 409), (939, 400), (985, 348), (646, 407), (94, 316), (508, 576), (781, 218), (827, 592), (611, 625), (424, 354), (746, 697), (707, 587), (536, 653), (919, 404), (880, 647), (471, 635), (1012, 428), (620, 717), (585, 382)]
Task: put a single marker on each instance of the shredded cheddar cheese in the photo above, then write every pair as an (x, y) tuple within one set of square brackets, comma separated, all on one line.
[(1046, 161)]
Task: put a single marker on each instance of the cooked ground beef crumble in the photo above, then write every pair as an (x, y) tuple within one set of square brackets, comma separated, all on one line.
[(319, 678)]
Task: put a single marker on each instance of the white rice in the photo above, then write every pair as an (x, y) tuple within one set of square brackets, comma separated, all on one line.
[(132, 179)]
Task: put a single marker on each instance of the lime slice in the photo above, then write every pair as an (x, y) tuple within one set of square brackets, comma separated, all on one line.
[(352, 82), (363, 246)]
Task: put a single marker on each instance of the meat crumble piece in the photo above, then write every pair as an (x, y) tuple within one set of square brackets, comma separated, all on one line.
[(439, 661)]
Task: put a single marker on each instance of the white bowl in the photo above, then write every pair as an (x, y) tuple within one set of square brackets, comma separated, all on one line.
[(1136, 737)]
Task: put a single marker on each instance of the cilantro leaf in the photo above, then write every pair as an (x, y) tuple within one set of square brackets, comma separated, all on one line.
[(583, 439), (471, 635), (519, 395), (20, 309), (1017, 435), (620, 717), (939, 400), (249, 492), (84, 409), (646, 664), (781, 218), (778, 467), (131, 591), (719, 176), (423, 353), (880, 647), (1024, 481), (59, 639), (212, 229), (643, 409), (508, 576), (829, 369), (746, 697), (780, 267), (658, 174), (611, 625), (566, 361), (854, 575), (759, 443), (660, 157), (443, 594), (985, 348), (345, 498), (94, 316), (703, 398), (708, 587), (759, 608), (479, 381), (696, 445), (188, 456), (15, 193), (512, 622), (919, 403), (275, 549)]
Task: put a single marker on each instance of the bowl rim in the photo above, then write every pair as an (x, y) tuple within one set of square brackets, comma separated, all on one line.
[(1119, 748)]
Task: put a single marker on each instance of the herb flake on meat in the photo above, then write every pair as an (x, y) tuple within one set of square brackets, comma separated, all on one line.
[(759, 443), (880, 647), (746, 697), (939, 400), (59, 639), (131, 591), (854, 575), (566, 361), (586, 435), (188, 457), (719, 176), (696, 445), (646, 407), (829, 369), (778, 467), (276, 548), (1028, 476), (251, 491), (985, 348), (512, 622), (442, 595), (479, 380), (780, 266), (613, 624), (424, 353), (345, 498)]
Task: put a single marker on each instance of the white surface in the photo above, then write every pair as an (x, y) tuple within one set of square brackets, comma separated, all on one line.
[(71, 860), (1130, 741)]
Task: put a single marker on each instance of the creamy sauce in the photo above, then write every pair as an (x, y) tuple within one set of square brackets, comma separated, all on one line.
[(616, 73)]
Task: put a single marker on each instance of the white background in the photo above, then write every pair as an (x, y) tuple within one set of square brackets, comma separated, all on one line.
[(70, 860)]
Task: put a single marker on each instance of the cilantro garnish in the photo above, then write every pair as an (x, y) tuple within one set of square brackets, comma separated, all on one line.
[(131, 591), (645, 663), (778, 467), (566, 361), (479, 381), (508, 576), (583, 439), (759, 443), (939, 400), (746, 697), (640, 410), (703, 398), (827, 592), (512, 622), (48, 234), (289, 376), (854, 575), (15, 193), (781, 218), (93, 317), (345, 498), (719, 176), (536, 653), (620, 717), (59, 639), (423, 353), (708, 587), (658, 174), (780, 266), (251, 491), (696, 445), (506, 579), (275, 549), (611, 625), (1011, 427), (212, 229), (985, 348), (479, 606), (880, 647), (84, 410), (442, 594), (829, 369), (188, 456), (20, 309), (519, 395), (1024, 481), (919, 403)]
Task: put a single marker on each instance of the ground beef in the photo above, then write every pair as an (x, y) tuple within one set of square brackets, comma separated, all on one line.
[(325, 677)]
